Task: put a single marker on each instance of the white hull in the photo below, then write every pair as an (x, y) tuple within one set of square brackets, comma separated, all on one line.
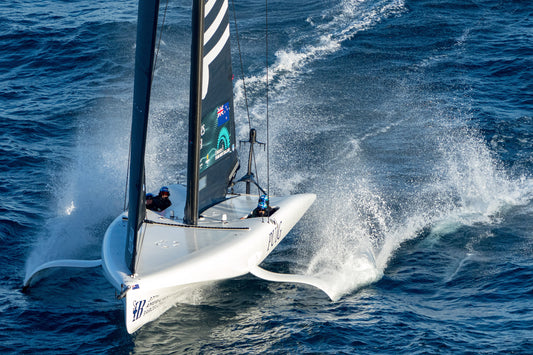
[(174, 256)]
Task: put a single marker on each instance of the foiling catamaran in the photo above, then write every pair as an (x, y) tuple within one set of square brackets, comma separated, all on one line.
[(208, 234)]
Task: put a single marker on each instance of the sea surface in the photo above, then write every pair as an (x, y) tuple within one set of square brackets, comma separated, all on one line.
[(412, 121)]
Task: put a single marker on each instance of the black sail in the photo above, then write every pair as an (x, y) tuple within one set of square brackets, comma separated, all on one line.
[(214, 136), (144, 60), (218, 156)]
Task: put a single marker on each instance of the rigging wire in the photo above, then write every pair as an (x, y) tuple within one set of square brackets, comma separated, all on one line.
[(244, 89), (267, 116), (241, 63)]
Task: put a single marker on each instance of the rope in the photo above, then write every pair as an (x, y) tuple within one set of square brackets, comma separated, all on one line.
[(194, 227)]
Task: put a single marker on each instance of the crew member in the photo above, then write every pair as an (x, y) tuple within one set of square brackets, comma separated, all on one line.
[(149, 201), (161, 201), (263, 208)]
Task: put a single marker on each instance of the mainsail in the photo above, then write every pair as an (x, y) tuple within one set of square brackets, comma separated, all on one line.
[(213, 159)]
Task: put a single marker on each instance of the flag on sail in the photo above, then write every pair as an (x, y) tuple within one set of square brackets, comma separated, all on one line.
[(223, 114)]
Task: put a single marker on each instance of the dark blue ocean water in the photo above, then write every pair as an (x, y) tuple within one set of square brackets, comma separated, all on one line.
[(411, 120)]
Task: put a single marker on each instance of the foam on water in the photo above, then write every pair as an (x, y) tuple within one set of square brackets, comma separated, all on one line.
[(88, 192), (344, 244), (330, 30), (358, 225)]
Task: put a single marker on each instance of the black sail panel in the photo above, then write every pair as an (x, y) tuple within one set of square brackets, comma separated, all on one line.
[(218, 156), (144, 58)]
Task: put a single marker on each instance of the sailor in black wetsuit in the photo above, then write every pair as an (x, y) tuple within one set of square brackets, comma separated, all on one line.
[(263, 208), (161, 202)]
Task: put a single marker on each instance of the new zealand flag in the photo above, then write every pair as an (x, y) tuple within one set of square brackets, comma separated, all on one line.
[(223, 114)]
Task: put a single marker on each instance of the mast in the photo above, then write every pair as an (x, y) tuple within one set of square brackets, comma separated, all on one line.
[(144, 62), (195, 113)]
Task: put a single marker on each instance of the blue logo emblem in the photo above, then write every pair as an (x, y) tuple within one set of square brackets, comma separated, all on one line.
[(138, 309)]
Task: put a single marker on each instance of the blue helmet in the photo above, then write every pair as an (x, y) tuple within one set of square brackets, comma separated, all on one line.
[(164, 189), (149, 196), (263, 202)]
